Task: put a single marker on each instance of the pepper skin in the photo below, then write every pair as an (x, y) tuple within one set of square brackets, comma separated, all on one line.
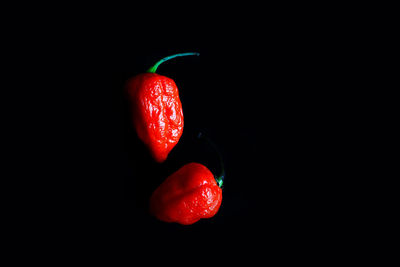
[(157, 110), (186, 196)]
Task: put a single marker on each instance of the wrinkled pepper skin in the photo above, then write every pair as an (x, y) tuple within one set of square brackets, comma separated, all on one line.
[(157, 112), (186, 196)]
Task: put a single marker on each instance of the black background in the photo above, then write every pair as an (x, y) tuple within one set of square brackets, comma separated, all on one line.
[(287, 94), (259, 100), (265, 93)]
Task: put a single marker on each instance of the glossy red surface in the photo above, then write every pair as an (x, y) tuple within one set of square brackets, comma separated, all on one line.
[(186, 196), (157, 112)]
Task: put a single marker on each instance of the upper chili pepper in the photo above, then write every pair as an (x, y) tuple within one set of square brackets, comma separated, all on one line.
[(157, 110), (188, 195)]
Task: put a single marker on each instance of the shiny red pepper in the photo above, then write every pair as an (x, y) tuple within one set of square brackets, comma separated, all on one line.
[(157, 110), (188, 195)]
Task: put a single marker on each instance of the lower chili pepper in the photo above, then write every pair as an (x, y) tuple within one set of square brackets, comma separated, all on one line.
[(188, 195)]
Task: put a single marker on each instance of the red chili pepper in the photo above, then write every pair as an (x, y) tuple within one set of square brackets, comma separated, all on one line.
[(157, 110), (188, 195)]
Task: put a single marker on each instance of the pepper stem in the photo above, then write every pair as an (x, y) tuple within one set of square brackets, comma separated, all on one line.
[(220, 178), (154, 68)]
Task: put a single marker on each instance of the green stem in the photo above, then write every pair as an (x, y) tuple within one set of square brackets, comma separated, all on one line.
[(220, 178), (154, 68)]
